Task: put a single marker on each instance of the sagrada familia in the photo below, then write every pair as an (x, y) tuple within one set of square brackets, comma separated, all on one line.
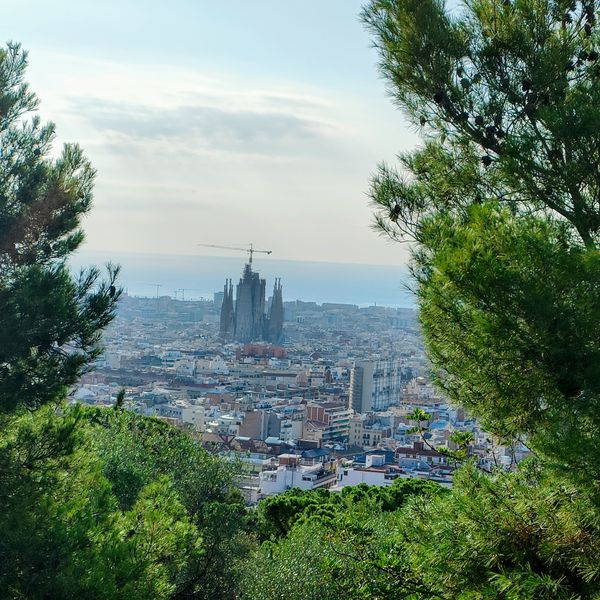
[(246, 319)]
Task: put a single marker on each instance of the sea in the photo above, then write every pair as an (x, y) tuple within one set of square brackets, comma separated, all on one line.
[(147, 275)]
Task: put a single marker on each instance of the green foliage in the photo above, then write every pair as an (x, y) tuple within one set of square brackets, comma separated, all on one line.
[(352, 550), (393, 497), (509, 311), (523, 535), (119, 401), (62, 533), (296, 568), (275, 516), (134, 451), (508, 293), (507, 93), (51, 322), (113, 505), (514, 535)]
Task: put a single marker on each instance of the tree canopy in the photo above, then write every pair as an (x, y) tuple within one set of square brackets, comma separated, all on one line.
[(51, 321), (502, 204), (525, 536), (506, 95)]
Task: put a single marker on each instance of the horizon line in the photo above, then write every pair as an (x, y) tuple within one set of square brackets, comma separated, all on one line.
[(244, 260)]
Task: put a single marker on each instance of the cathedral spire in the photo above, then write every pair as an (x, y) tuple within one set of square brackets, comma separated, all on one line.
[(246, 319), (227, 323)]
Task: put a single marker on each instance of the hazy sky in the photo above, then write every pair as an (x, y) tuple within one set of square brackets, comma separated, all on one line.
[(221, 122)]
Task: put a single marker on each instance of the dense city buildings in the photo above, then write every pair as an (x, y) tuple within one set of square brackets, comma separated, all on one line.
[(330, 408)]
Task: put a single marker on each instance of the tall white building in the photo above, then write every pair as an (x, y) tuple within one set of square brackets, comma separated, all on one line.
[(376, 384)]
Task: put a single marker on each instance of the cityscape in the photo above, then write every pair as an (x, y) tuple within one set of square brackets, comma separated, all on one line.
[(306, 395), (300, 300)]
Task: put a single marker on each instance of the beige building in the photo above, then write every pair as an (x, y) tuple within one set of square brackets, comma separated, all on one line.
[(366, 435), (195, 416)]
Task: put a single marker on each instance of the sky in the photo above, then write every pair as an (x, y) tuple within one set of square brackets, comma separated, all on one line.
[(222, 122)]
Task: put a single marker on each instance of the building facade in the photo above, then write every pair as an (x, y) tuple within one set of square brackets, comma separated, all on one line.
[(376, 384), (331, 419), (293, 472)]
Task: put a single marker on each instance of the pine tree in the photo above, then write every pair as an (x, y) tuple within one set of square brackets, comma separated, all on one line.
[(503, 204), (506, 93), (50, 321)]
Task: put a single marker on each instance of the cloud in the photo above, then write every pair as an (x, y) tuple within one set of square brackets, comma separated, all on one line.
[(126, 110), (205, 127), (191, 153)]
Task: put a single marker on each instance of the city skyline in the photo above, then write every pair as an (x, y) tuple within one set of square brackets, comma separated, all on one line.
[(201, 276)]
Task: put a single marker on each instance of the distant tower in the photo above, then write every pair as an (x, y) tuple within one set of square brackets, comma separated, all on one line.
[(227, 325), (274, 323), (249, 306), (246, 321)]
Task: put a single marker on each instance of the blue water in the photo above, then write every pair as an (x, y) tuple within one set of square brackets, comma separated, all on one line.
[(309, 281)]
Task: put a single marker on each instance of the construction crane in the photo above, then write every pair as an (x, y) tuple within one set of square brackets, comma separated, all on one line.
[(249, 250), (156, 285), (184, 290)]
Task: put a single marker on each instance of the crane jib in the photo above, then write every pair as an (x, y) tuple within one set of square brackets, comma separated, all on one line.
[(250, 250)]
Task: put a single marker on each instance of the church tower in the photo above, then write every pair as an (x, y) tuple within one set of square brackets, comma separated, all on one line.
[(249, 306), (227, 325), (246, 321), (274, 323)]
